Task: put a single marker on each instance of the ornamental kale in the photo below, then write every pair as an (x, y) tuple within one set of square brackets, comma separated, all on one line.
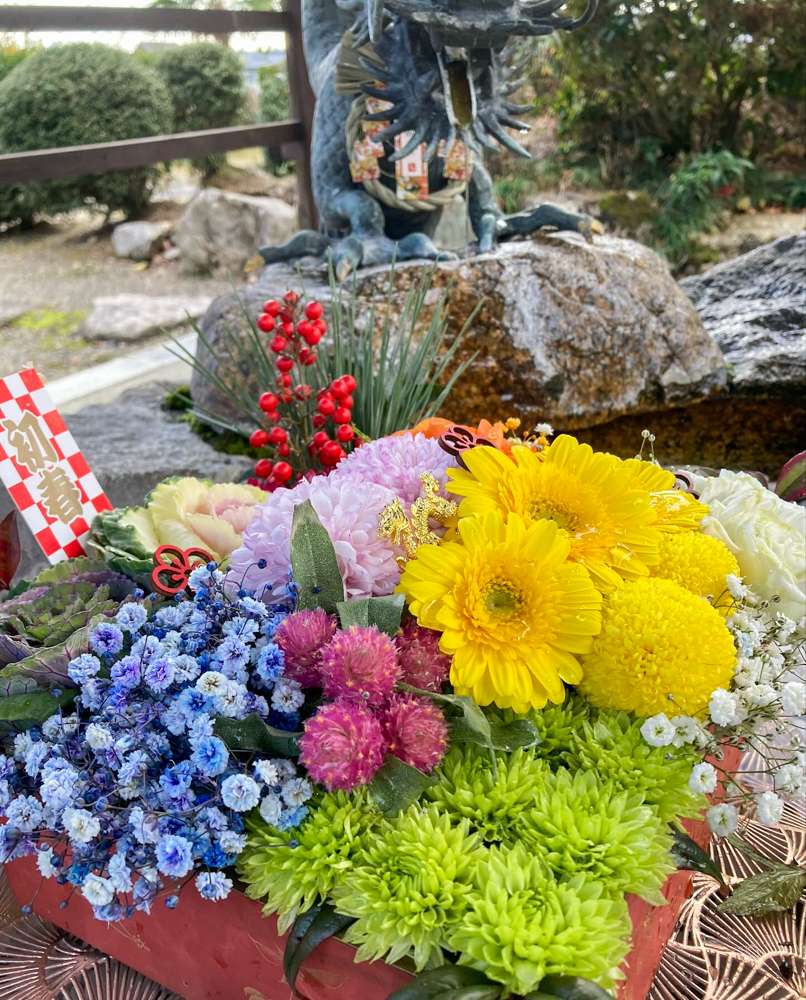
[(135, 791)]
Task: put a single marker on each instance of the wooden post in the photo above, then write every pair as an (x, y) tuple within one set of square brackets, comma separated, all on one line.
[(302, 104)]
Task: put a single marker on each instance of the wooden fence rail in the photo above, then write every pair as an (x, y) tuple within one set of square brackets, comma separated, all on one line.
[(292, 137)]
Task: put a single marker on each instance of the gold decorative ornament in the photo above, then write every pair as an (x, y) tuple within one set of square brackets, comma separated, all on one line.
[(415, 530)]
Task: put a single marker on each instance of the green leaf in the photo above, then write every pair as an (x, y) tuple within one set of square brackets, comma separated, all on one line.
[(689, 856), (295, 936), (570, 988), (396, 785), (741, 845), (383, 612), (439, 983), (253, 734), (313, 562), (767, 892), (326, 923), (37, 706), (515, 735), (480, 992)]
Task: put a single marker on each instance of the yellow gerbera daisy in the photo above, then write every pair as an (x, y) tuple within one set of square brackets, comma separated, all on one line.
[(513, 612), (586, 494), (676, 510), (700, 564), (661, 649)]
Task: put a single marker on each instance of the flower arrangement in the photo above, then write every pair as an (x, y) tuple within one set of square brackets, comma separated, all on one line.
[(452, 700)]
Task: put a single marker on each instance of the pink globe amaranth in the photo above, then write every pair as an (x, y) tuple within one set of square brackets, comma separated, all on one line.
[(302, 636), (361, 665), (342, 746), (422, 662), (416, 731)]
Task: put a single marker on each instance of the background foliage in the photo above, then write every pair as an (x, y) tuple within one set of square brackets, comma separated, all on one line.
[(72, 95), (274, 106)]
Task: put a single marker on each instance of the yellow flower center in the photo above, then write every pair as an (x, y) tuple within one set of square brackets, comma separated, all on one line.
[(562, 515), (502, 599)]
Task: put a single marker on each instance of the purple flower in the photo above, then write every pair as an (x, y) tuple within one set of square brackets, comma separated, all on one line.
[(269, 664), (131, 617), (106, 639), (211, 756), (126, 673), (240, 792), (396, 463), (174, 856), (213, 885), (159, 674), (83, 667)]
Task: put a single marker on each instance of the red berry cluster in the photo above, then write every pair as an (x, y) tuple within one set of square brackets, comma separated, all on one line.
[(302, 439)]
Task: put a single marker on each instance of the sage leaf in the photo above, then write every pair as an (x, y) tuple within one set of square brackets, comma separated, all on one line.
[(438, 982), (253, 734), (396, 785), (313, 562), (325, 924), (383, 612), (768, 892), (689, 856)]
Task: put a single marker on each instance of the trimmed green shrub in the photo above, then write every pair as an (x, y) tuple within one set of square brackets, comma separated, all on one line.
[(74, 95), (274, 105), (206, 84), (11, 55)]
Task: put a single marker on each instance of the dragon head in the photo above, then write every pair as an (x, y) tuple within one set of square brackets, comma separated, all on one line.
[(446, 73)]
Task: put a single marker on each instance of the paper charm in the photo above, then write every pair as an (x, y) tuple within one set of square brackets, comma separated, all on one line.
[(458, 164), (364, 164), (411, 172), (43, 469), (374, 106)]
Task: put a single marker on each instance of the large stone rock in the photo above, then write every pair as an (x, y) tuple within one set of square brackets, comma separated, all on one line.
[(220, 231), (139, 240), (755, 308), (135, 317), (131, 445)]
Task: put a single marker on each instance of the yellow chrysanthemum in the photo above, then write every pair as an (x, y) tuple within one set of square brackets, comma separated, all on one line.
[(661, 649), (513, 611), (586, 494), (700, 564), (675, 510)]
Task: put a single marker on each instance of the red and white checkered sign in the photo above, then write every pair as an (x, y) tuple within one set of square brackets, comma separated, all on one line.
[(43, 469)]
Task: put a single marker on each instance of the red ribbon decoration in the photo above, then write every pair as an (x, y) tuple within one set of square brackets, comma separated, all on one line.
[(177, 564)]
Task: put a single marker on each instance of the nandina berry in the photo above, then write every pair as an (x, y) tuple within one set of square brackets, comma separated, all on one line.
[(312, 337), (275, 416), (285, 449), (284, 380), (265, 323), (278, 344), (272, 308), (319, 439), (268, 402), (348, 401), (338, 389), (303, 354), (303, 392), (345, 433), (331, 453), (285, 364), (263, 468), (314, 310), (318, 420), (258, 438), (283, 472), (342, 416), (304, 327), (326, 405), (320, 325), (292, 298), (350, 382), (278, 435), (288, 329), (310, 359)]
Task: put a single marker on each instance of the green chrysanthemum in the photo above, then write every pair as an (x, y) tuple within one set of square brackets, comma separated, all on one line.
[(522, 925), (467, 789), (329, 843), (410, 888), (580, 825), (556, 724), (614, 748)]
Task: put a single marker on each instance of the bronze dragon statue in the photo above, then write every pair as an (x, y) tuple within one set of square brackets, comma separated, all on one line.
[(422, 85)]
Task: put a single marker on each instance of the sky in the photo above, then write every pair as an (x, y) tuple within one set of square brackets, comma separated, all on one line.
[(129, 39)]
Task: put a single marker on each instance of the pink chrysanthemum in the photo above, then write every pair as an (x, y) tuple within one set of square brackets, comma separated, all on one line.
[(421, 660), (302, 637), (360, 665), (348, 510), (342, 746), (396, 463), (416, 731)]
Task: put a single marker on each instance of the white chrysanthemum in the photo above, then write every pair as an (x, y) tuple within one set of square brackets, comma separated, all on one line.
[(722, 819), (769, 809), (348, 510), (703, 778), (396, 463), (658, 731), (726, 709)]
